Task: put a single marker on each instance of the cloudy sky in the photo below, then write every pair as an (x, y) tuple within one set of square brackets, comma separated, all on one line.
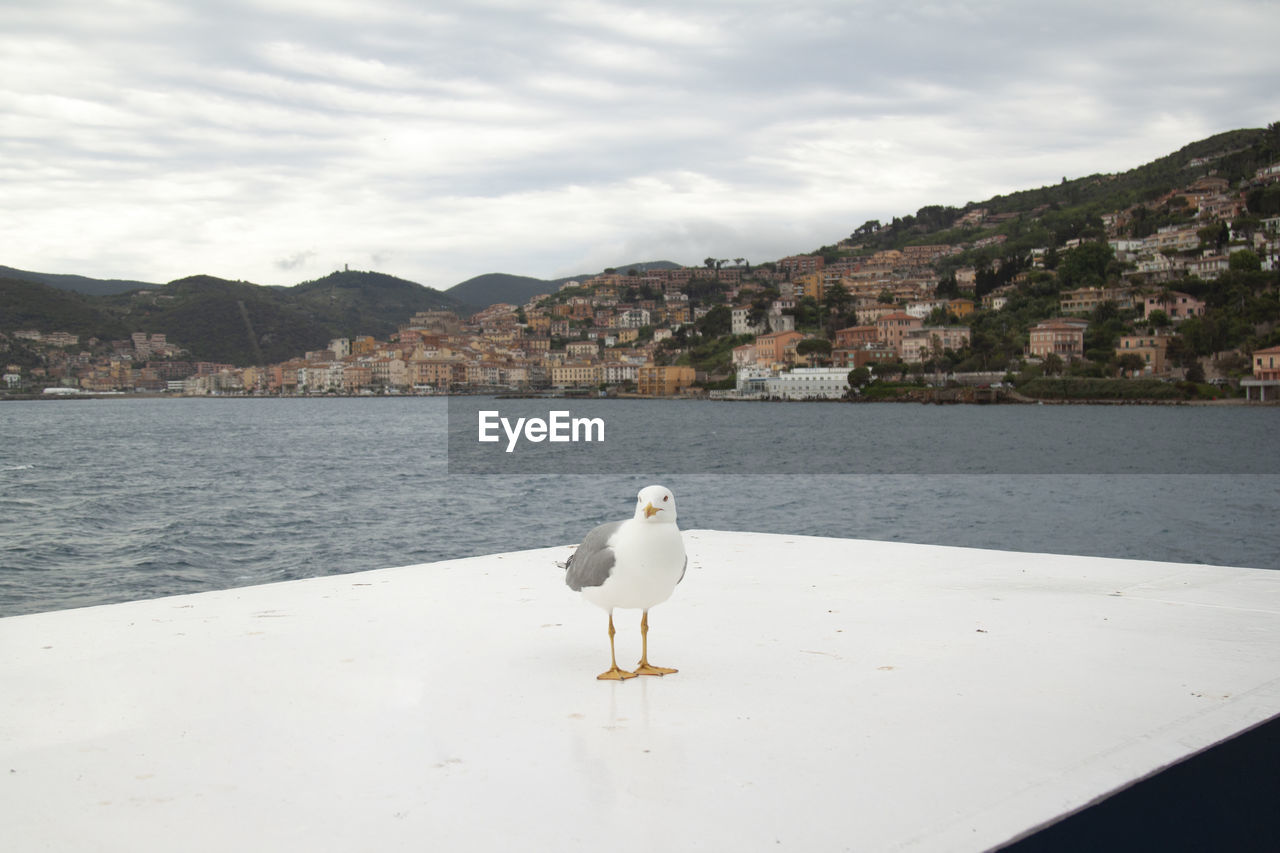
[(277, 140)]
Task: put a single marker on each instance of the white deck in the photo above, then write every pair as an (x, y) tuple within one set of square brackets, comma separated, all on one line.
[(832, 694)]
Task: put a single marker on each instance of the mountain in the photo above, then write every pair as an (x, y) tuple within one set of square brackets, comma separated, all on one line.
[(28, 304), (223, 321), (77, 283), (1051, 215), (232, 322), (370, 303), (490, 288), (494, 287)]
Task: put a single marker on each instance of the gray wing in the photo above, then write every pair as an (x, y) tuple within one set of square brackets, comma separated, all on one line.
[(591, 563), (683, 568)]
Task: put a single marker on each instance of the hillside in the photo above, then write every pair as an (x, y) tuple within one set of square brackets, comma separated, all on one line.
[(1051, 215), (32, 305), (491, 288), (224, 321), (494, 287), (368, 303), (76, 283)]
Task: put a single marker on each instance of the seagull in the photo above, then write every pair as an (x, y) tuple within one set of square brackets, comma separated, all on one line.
[(632, 564)]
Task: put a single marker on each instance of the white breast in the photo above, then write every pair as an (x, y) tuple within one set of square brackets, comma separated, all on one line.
[(649, 559)]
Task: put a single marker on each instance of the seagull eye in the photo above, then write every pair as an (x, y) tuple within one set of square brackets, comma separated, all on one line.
[(666, 498)]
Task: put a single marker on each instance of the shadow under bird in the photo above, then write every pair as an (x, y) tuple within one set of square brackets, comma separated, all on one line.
[(633, 564)]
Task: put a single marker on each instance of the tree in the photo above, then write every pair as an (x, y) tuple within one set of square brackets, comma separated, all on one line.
[(1085, 266), (1131, 363), (859, 376), (1245, 260), (837, 299), (1052, 364), (1159, 319), (718, 321), (814, 346)]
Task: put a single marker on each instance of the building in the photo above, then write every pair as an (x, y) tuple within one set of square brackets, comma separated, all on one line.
[(1266, 375), (813, 285), (809, 383), (1177, 306), (663, 380), (800, 264), (1086, 299), (579, 350), (894, 327), (1208, 267), (772, 348), (739, 323), (921, 344), (617, 373), (856, 336), (862, 355), (576, 374), (750, 381), (439, 373), (634, 318), (1063, 337), (1152, 349), (869, 314)]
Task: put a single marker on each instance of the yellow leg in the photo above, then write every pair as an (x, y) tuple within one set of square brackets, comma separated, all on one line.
[(614, 673), (645, 668)]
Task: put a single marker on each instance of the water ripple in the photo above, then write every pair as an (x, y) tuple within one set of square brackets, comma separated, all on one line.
[(114, 500)]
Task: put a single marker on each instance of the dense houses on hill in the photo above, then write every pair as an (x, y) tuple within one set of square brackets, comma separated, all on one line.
[(615, 331)]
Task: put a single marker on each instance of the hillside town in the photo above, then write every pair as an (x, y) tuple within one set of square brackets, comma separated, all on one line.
[(795, 328)]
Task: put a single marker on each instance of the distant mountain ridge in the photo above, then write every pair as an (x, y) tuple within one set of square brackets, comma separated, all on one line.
[(491, 288), (77, 283), (232, 322), (466, 297), (241, 323)]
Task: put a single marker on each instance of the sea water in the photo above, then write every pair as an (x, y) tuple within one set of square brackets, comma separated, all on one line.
[(118, 499)]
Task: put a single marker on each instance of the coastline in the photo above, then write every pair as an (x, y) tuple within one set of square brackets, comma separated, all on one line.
[(920, 399)]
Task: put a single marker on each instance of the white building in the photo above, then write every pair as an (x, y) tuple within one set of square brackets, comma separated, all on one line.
[(739, 324), (809, 383), (617, 372), (634, 318), (924, 308), (751, 381)]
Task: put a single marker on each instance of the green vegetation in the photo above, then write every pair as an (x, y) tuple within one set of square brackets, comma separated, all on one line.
[(712, 355), (1078, 388), (227, 321)]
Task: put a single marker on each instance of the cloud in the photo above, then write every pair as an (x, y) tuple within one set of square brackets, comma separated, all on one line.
[(296, 260), (275, 140)]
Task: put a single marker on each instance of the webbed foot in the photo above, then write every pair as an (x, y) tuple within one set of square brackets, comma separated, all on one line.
[(649, 669)]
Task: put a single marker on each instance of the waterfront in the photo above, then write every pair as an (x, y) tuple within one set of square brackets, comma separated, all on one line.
[(117, 499)]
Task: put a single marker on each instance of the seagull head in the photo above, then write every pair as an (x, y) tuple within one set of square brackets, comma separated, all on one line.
[(656, 504)]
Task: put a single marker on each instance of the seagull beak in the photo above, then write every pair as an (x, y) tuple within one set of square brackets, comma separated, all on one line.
[(650, 510)]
